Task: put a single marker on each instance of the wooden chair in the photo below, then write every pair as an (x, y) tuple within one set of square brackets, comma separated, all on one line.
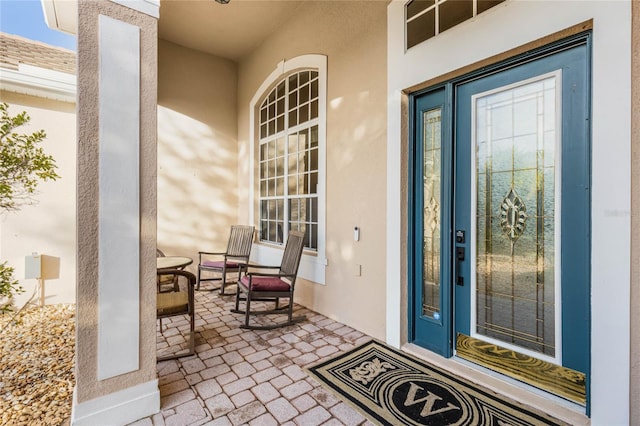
[(179, 302), (234, 259), (255, 285)]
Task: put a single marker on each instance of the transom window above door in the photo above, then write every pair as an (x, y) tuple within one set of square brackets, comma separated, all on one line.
[(427, 18)]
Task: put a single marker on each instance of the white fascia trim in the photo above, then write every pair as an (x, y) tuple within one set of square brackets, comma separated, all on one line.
[(40, 82), (149, 7), (312, 266), (122, 407), (49, 12), (55, 18)]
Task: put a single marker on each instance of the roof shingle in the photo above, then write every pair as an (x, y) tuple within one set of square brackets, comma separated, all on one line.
[(16, 50)]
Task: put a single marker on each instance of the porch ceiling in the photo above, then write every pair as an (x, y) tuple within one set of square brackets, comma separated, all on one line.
[(229, 31)]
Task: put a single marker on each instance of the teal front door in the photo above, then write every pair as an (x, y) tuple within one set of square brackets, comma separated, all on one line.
[(511, 268)]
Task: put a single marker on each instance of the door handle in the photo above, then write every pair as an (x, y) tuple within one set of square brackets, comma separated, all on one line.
[(460, 254)]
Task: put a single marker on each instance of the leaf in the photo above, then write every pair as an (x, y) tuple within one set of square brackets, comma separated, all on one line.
[(23, 162)]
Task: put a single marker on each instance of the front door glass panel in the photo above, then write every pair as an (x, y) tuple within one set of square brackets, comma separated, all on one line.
[(516, 227), (431, 213)]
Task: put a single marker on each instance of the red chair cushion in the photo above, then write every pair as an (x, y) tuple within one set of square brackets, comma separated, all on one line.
[(218, 264), (265, 283)]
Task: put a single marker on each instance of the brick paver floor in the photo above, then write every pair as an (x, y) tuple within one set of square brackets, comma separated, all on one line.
[(250, 377)]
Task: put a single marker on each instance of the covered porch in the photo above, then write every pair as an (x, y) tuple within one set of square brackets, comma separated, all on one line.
[(201, 135)]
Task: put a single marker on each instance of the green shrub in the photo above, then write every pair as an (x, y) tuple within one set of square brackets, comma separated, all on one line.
[(23, 165), (8, 288)]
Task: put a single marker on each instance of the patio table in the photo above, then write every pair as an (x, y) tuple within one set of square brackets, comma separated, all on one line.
[(173, 262)]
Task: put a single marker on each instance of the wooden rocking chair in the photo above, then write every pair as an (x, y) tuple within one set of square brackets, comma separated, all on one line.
[(271, 287), (234, 259)]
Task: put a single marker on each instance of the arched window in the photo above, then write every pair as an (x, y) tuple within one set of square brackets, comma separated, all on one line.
[(289, 139), (289, 159)]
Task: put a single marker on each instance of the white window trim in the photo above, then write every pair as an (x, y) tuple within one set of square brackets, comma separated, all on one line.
[(312, 265)]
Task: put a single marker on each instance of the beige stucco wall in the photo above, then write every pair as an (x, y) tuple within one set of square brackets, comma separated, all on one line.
[(197, 150), (47, 227), (353, 37)]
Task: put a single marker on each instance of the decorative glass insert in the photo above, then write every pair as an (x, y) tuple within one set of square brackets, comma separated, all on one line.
[(431, 209), (513, 216), (288, 163), (516, 140), (428, 18)]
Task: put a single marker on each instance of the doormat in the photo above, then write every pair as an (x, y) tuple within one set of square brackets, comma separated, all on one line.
[(393, 388)]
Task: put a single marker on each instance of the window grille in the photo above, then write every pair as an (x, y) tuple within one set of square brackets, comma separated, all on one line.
[(288, 159), (427, 18)]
